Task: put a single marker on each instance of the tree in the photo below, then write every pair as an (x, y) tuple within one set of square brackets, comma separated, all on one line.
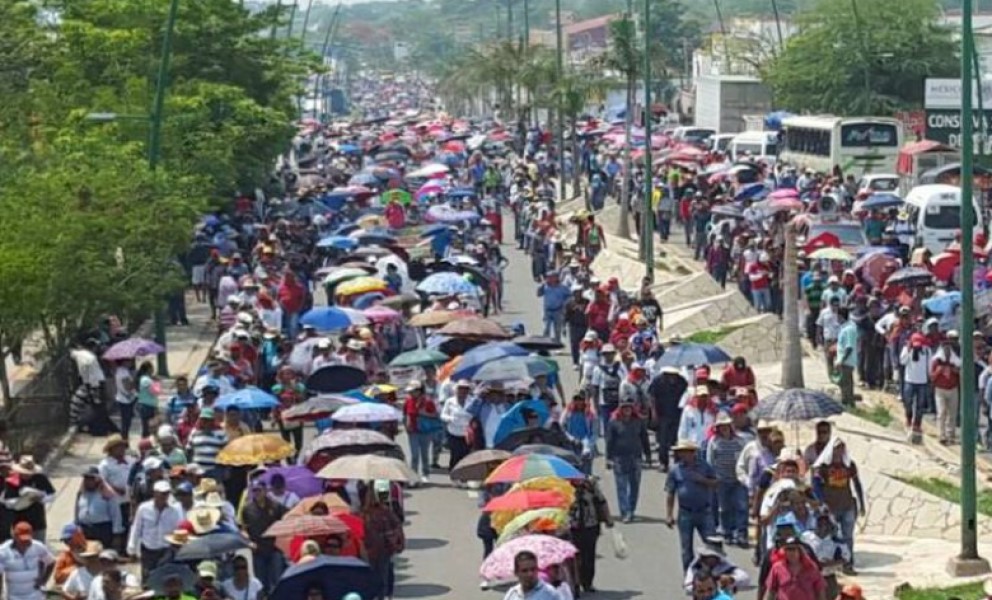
[(876, 68)]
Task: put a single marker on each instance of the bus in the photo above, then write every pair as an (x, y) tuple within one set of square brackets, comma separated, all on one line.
[(859, 145)]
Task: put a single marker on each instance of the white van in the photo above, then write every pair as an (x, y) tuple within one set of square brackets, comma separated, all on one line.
[(935, 211), (759, 144)]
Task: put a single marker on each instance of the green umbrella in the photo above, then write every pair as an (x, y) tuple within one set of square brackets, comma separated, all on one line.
[(419, 358), (401, 196)]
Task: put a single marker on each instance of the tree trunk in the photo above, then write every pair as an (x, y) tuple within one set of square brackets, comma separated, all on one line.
[(623, 229), (792, 362)]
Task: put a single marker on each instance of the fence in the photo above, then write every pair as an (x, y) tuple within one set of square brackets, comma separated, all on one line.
[(38, 416)]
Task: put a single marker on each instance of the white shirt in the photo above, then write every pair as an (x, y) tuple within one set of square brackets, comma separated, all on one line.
[(541, 591), (455, 416), (883, 325), (78, 583), (21, 570), (249, 593), (122, 376), (89, 367), (830, 324), (694, 424), (151, 526), (917, 371), (115, 473), (96, 588)]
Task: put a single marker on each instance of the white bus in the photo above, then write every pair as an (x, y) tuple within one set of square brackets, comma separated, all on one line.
[(859, 145)]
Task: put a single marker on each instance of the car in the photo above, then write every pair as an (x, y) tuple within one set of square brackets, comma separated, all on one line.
[(878, 182)]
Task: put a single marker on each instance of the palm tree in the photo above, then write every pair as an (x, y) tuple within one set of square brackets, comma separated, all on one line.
[(570, 97), (792, 363), (623, 57)]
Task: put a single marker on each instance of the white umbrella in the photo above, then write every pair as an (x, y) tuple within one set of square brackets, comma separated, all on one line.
[(368, 467), (428, 171), (367, 412)]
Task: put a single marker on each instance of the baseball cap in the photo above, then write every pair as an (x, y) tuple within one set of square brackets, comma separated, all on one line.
[(68, 531), (207, 568), (151, 463), (162, 487)]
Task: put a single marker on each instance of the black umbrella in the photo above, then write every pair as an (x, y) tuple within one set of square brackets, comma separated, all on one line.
[(457, 346), (336, 378), (562, 453), (531, 436), (536, 343), (211, 545), (156, 579), (910, 277), (335, 576)]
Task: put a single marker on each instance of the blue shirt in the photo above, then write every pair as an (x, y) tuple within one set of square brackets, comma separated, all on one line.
[(683, 481), (847, 339), (555, 297)]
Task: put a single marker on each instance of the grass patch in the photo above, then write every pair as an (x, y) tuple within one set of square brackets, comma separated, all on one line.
[(948, 491), (965, 592), (877, 414), (681, 270), (712, 336)]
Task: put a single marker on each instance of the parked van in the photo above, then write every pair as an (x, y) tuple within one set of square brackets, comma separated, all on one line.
[(721, 142), (935, 212), (759, 144)]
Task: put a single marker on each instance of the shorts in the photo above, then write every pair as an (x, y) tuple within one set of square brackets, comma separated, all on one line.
[(199, 274)]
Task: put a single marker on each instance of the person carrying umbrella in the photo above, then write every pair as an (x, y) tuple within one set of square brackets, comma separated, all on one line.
[(384, 538), (258, 514), (626, 443), (588, 513), (665, 392)]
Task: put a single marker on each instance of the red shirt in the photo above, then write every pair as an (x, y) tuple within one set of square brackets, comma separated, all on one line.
[(599, 315), (291, 296), (807, 584), (738, 378), (758, 274), (412, 411)]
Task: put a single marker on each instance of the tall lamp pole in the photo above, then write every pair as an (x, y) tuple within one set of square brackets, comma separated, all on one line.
[(155, 152), (559, 71), (967, 562), (647, 215)]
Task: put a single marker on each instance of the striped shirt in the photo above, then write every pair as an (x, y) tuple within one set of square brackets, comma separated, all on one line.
[(204, 446), (722, 454), (21, 569)]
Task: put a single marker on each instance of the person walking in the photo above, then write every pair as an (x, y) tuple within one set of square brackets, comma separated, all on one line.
[(836, 484), (154, 519), (26, 564), (589, 513), (555, 295), (626, 443), (847, 355), (666, 390), (419, 410), (722, 452), (259, 513), (456, 422), (576, 322), (691, 483), (945, 374), (384, 538), (915, 360)]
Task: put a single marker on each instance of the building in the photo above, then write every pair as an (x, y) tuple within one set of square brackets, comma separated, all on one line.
[(586, 39), (543, 38)]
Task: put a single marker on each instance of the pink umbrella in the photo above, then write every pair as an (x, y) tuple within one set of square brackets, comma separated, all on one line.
[(381, 314), (549, 551), (427, 189), (783, 193)]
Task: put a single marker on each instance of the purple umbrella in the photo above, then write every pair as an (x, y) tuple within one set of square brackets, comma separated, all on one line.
[(299, 480), (132, 348), (783, 193)]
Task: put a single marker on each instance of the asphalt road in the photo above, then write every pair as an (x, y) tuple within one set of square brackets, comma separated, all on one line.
[(443, 554)]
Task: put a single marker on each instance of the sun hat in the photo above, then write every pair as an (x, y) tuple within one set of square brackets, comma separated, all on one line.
[(92, 550), (26, 466), (179, 537), (685, 445), (204, 519), (113, 441), (207, 568)]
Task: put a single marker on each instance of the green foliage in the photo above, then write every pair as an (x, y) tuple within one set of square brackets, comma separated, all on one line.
[(836, 66), (967, 590), (877, 414), (949, 491)]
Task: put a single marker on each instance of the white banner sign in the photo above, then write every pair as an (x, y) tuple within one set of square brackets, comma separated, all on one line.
[(946, 93)]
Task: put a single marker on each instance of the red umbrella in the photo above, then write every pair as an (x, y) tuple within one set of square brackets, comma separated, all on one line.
[(944, 265), (877, 268), (526, 500), (307, 525), (453, 146), (824, 240)]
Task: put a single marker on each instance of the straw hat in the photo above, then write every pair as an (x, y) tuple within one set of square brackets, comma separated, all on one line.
[(113, 441), (26, 466), (179, 537), (723, 419), (204, 518), (207, 486), (92, 550), (685, 445), (213, 500)]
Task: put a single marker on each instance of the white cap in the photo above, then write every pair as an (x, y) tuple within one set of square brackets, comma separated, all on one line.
[(162, 487), (151, 463), (165, 431), (833, 279), (324, 344), (590, 335), (608, 348)]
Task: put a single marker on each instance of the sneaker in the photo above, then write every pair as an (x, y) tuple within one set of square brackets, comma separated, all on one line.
[(483, 585), (425, 479)]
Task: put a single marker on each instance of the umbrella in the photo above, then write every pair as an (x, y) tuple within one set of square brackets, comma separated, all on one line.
[(549, 551), (477, 465), (529, 466), (316, 408), (333, 502), (539, 519), (513, 368), (211, 545), (132, 348), (477, 357), (346, 229), (910, 277), (366, 301), (401, 196), (332, 318), (249, 398), (515, 419), (944, 265), (875, 268), (881, 200), (339, 242), (254, 449), (830, 254), (797, 405), (157, 578), (447, 284), (428, 171), (690, 354), (368, 467), (400, 301), (419, 358), (381, 314), (306, 525), (367, 412), (783, 204), (336, 576), (523, 500), (562, 453), (943, 303), (432, 230), (533, 436), (436, 318), (342, 274), (361, 285), (343, 442), (336, 378), (536, 343), (728, 210), (299, 480), (476, 327), (784, 193)]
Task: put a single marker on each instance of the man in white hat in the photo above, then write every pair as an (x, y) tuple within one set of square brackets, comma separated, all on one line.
[(605, 383), (324, 355), (154, 519), (722, 452), (457, 421), (691, 482)]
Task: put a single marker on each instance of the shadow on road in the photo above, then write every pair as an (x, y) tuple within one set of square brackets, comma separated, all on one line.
[(421, 590), (424, 543)]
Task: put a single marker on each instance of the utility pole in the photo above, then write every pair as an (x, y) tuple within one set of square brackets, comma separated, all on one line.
[(967, 562), (292, 17), (306, 23), (155, 153), (329, 35), (559, 71), (647, 215), (275, 21)]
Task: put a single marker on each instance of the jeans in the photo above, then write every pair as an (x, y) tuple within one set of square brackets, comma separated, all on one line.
[(380, 572), (914, 401), (146, 414), (700, 521), (627, 472), (846, 385), (574, 342), (554, 320), (762, 299), (127, 415), (664, 227), (291, 322), (268, 568), (420, 452), (437, 444), (732, 497), (846, 520)]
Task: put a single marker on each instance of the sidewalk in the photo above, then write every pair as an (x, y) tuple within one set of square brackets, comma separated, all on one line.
[(188, 347)]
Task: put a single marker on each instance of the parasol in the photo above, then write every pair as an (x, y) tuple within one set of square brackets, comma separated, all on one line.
[(476, 327), (690, 354), (132, 348), (306, 525), (333, 502), (476, 466), (529, 466), (316, 408), (335, 576), (361, 285), (797, 404), (299, 480), (254, 449), (368, 467), (249, 398), (367, 412), (211, 545), (333, 318), (544, 520), (336, 378), (419, 358), (447, 284), (548, 550)]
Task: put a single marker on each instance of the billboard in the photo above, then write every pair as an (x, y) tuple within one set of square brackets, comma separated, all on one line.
[(942, 103)]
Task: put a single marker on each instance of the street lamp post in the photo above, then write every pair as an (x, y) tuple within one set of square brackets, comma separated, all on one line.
[(559, 71), (967, 562), (647, 215)]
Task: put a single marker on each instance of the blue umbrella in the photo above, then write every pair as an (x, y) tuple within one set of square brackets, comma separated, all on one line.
[(349, 149), (335, 576), (249, 398), (366, 300), (513, 419), (329, 318), (363, 179), (690, 354), (375, 239), (462, 192), (752, 191), (447, 284), (339, 242), (944, 303), (474, 359), (346, 229), (881, 200), (797, 404), (513, 368)]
